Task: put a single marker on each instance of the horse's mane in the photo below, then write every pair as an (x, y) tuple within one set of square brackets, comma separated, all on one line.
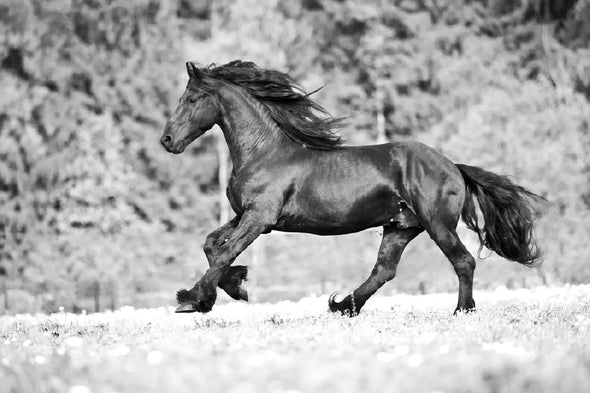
[(298, 116)]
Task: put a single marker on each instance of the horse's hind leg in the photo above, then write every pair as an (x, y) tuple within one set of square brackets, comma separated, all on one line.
[(438, 210), (233, 276), (463, 262), (393, 244)]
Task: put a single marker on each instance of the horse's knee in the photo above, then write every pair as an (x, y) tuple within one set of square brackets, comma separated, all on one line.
[(384, 273), (464, 266), (210, 247)]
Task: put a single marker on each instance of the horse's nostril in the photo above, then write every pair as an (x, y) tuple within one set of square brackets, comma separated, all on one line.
[(166, 140)]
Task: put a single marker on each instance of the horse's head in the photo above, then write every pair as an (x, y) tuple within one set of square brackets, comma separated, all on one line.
[(197, 111)]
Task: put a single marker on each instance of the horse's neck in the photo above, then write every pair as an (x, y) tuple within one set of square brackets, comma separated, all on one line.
[(248, 129)]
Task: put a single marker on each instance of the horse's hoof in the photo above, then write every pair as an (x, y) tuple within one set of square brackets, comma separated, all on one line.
[(202, 307), (332, 304), (189, 301), (345, 307), (237, 293), (231, 282), (464, 310), (186, 308), (468, 307), (243, 294)]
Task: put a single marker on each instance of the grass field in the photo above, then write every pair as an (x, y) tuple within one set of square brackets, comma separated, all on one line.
[(518, 341)]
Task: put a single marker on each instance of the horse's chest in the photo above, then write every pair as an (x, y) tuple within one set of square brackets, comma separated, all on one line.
[(245, 188), (234, 196)]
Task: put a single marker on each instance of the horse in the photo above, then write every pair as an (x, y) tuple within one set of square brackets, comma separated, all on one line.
[(293, 173)]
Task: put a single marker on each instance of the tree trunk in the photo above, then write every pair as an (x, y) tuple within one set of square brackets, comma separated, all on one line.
[(222, 156), (257, 261), (96, 293), (4, 289), (379, 96), (113, 295)]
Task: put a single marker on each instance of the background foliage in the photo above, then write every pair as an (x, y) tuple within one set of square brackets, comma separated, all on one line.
[(94, 214)]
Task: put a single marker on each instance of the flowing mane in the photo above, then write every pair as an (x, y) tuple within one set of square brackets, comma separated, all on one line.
[(297, 115)]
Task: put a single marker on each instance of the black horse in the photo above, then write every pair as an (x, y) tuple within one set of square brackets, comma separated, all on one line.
[(291, 173)]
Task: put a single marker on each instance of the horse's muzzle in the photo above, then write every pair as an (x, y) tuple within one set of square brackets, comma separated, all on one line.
[(175, 148)]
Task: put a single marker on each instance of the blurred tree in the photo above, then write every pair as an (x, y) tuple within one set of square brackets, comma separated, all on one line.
[(84, 82), (87, 195)]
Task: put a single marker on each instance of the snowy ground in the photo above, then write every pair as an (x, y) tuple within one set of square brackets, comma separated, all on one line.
[(518, 341)]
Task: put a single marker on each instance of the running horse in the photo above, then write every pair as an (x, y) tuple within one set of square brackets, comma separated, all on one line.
[(292, 173)]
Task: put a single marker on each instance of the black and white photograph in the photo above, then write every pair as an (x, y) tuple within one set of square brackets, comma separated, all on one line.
[(294, 196)]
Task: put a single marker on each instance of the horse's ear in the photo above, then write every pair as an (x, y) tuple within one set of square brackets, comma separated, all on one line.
[(193, 71)]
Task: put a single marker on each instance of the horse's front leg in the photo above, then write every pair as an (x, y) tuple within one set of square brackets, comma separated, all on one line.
[(232, 277), (203, 295)]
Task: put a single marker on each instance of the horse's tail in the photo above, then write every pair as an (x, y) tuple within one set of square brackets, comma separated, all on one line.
[(508, 212)]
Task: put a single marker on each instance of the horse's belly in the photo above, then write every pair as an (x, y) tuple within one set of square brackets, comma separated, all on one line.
[(310, 225), (333, 213)]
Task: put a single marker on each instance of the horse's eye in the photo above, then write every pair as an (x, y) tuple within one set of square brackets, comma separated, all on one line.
[(192, 100)]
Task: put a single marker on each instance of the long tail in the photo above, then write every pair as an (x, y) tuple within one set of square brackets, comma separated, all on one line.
[(508, 211)]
